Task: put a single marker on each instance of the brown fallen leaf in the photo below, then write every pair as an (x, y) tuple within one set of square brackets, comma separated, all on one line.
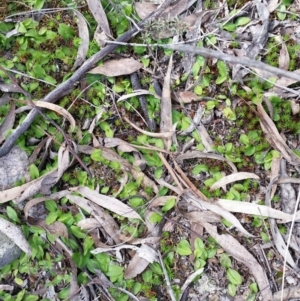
[(238, 176), (160, 201), (198, 154), (83, 32), (118, 67), (196, 201), (284, 57), (54, 196), (98, 13), (107, 202), (143, 8), (185, 97), (56, 108), (15, 234), (166, 106), (57, 227), (8, 122), (106, 221), (255, 209), (202, 217), (143, 257), (241, 254)]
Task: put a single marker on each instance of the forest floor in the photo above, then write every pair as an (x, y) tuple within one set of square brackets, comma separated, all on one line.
[(164, 149)]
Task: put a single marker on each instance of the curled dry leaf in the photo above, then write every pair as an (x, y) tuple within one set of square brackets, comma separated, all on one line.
[(98, 12), (143, 9), (107, 202), (107, 223), (33, 187), (137, 93), (284, 57), (57, 227), (276, 235), (88, 224), (63, 160), (8, 122), (233, 178), (15, 192), (274, 138), (118, 67), (198, 154), (54, 196), (166, 106), (150, 134), (161, 201), (140, 261), (85, 40), (185, 97), (241, 254), (202, 217), (56, 108), (203, 205), (15, 234), (251, 208), (122, 145)]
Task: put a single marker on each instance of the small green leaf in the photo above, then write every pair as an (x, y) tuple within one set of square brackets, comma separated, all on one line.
[(65, 31), (225, 261), (19, 282), (12, 214), (234, 277), (229, 27), (136, 288), (199, 168), (156, 268), (169, 205), (198, 243), (249, 150), (155, 218), (147, 276), (210, 105), (254, 288), (33, 171), (115, 272), (281, 12), (242, 21), (231, 289), (105, 189), (196, 68), (158, 173), (264, 237), (22, 28), (244, 139), (145, 61), (51, 205), (87, 244), (97, 155), (229, 114), (77, 232), (198, 90), (52, 217), (183, 248)]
